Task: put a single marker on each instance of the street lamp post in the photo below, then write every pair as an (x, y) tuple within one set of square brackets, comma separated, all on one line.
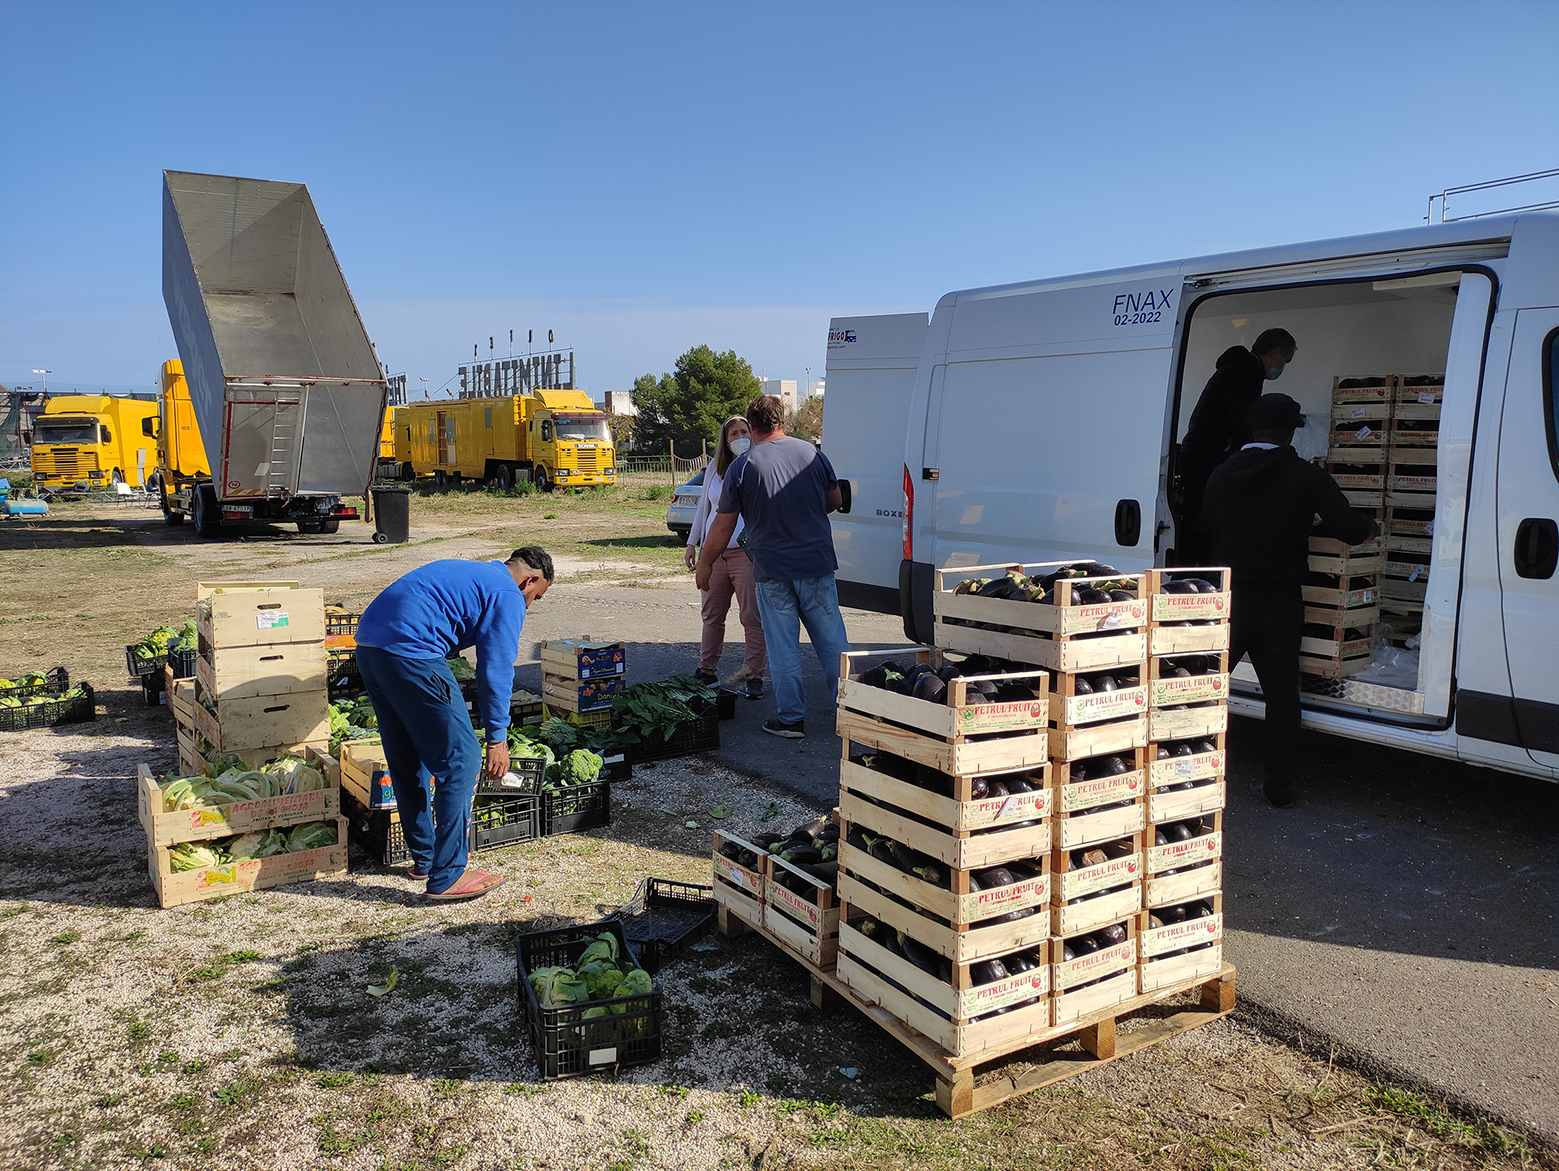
[(45, 374), (424, 382)]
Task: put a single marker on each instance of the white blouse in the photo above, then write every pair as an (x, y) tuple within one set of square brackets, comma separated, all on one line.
[(708, 509)]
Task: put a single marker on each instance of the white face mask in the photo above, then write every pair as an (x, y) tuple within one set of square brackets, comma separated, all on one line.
[(738, 446)]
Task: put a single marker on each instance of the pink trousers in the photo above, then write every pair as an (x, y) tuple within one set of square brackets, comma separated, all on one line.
[(732, 575)]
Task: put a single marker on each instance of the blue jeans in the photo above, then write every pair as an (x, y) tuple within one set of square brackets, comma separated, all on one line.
[(426, 733), (785, 607)]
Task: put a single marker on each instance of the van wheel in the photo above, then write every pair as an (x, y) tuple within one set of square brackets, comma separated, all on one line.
[(440, 479), (543, 484), (504, 477), (330, 526), (208, 519), (408, 473)]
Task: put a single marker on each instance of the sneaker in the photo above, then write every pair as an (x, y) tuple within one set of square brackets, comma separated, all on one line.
[(708, 677), (775, 726), (755, 687)]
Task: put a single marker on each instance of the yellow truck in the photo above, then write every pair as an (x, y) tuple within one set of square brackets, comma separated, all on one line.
[(86, 441), (551, 437), (181, 456)]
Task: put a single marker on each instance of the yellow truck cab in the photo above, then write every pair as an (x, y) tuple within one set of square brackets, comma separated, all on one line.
[(86, 441), (553, 437), (181, 456)]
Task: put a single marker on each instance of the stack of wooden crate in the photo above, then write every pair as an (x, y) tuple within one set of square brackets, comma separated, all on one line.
[(1410, 492), (1181, 926), (260, 679), (166, 829), (1341, 606), (582, 678), (1357, 451)]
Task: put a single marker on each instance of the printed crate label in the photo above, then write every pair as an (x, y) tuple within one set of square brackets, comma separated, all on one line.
[(1025, 986), (1190, 607), (1174, 936), (1329, 648), (1015, 716), (1191, 852), (795, 906), (1359, 481), (984, 904), (1414, 483), (1412, 570), (1116, 872), (272, 619), (1103, 616), (1190, 690), (739, 876), (1104, 962), (1013, 807), (1185, 768), (1104, 791), (1104, 705)]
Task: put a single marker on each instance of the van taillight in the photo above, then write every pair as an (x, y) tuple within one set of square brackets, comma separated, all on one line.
[(909, 516)]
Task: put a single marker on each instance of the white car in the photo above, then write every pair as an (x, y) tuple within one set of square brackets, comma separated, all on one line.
[(684, 503)]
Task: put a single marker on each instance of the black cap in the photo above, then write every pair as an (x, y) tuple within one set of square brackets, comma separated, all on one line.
[(1275, 412)]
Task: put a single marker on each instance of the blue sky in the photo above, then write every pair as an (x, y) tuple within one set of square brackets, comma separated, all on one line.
[(644, 177)]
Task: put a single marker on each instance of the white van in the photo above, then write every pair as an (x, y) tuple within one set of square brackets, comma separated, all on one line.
[(1041, 419)]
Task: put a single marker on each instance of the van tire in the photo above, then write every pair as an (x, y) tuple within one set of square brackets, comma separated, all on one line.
[(330, 526), (208, 517), (408, 473), (543, 481), (504, 477)]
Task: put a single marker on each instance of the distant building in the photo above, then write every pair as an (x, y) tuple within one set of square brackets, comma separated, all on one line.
[(783, 389), (618, 402), (815, 388)]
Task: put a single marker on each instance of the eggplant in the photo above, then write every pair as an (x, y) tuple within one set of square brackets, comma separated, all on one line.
[(1179, 673), (929, 688), (1179, 587), (1105, 683), (1178, 832), (1198, 910), (1019, 785), (730, 850), (1183, 748), (1172, 914), (1123, 596), (882, 850), (806, 855), (873, 677), (930, 872), (1014, 916), (1114, 933), (1088, 596), (1163, 752), (1081, 686), (979, 788), (1025, 869), (944, 969), (1154, 920), (996, 788), (809, 829), (918, 953), (746, 858), (1083, 945), (904, 857), (1111, 766), (1119, 849), (1017, 964), (995, 876), (1200, 746), (1067, 952), (988, 971), (767, 840)]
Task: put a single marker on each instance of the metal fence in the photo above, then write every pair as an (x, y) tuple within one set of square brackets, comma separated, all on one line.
[(658, 469)]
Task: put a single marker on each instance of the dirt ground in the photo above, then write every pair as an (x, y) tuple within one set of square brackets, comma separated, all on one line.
[(238, 1032)]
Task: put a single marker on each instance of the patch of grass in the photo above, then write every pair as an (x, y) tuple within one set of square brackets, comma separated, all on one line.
[(748, 1099), (139, 1031), (241, 957), (1477, 1135), (692, 1118), (41, 1057), (66, 937), (549, 516), (657, 492), (109, 1101), (718, 1030), (332, 1081)]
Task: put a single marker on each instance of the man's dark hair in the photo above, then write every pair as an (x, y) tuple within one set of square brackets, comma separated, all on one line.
[(536, 557), (1274, 339), (766, 414)]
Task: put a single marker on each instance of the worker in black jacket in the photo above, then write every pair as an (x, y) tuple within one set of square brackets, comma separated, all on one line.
[(1219, 428), (1258, 516)]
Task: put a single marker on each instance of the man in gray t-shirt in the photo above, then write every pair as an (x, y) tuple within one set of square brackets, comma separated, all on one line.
[(784, 489)]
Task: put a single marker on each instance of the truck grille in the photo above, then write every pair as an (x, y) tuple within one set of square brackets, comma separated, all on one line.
[(587, 462), (64, 463)]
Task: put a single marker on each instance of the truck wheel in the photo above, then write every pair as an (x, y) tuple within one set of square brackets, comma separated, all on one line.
[(171, 517), (440, 479), (310, 526), (504, 477), (329, 526), (408, 473), (208, 519), (118, 477), (543, 484)]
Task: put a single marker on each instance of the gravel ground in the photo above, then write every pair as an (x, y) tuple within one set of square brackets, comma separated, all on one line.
[(238, 1032)]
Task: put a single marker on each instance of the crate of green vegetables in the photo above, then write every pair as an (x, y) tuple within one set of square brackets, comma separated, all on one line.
[(36, 700), (676, 718), (163, 645), (495, 822), (589, 1006)]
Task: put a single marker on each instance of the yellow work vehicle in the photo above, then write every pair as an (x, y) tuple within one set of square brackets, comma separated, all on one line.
[(552, 437), (86, 441), (181, 456)]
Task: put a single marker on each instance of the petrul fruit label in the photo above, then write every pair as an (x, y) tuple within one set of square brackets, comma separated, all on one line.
[(1105, 705), (795, 906), (1116, 872), (1186, 768), (1014, 807), (1174, 936), (1103, 791), (1191, 852), (1095, 965), (1025, 986), (738, 875), (983, 904), (1190, 690), (1022, 715), (1188, 607)]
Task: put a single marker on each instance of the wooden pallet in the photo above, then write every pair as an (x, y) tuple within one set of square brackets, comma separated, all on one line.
[(957, 1093)]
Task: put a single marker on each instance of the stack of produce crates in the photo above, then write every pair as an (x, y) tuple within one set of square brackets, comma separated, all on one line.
[(1181, 927), (944, 860), (1358, 449), (1410, 498), (582, 677), (1341, 600), (260, 681), (344, 680), (167, 829)]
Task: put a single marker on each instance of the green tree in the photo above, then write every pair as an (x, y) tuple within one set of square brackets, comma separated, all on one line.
[(807, 421), (688, 405)]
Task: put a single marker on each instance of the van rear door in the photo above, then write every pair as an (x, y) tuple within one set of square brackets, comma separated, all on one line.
[(871, 375), (1050, 423)]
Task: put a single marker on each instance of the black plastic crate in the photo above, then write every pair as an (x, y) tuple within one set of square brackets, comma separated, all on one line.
[(377, 832), (182, 663), (697, 735), (567, 809), (142, 668), (664, 917), (337, 624), (53, 711), (568, 1045), (529, 770), (725, 702), (344, 680), (617, 766), (504, 820), (55, 681)]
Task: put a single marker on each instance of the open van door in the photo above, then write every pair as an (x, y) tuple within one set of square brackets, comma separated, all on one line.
[(1528, 529), (871, 375)]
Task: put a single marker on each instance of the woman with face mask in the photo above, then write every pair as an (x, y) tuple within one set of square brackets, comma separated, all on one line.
[(732, 573)]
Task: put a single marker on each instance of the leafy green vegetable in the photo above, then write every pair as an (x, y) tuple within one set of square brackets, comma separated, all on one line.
[(651, 709)]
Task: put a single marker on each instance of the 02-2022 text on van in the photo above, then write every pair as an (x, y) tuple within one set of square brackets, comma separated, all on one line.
[(1043, 421)]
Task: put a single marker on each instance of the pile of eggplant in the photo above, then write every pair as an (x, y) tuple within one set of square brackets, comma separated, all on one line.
[(1169, 749), (922, 682), (813, 846), (1164, 916), (1100, 682), (934, 781), (928, 960), (934, 873), (1190, 585), (1181, 831), (1189, 666), (1102, 853), (1087, 944), (1015, 586)]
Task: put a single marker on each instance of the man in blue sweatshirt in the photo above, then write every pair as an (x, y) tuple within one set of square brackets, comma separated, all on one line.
[(404, 641)]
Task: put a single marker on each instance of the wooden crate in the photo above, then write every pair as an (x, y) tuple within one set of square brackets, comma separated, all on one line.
[(1194, 964), (1351, 435), (1188, 723), (938, 734), (1079, 819), (1175, 770), (1336, 616), (220, 821), (1432, 393), (1180, 871), (1359, 481), (181, 701), (1373, 414), (257, 614), (1351, 593), (366, 774), (1409, 523), (1421, 480), (1199, 607), (961, 906), (966, 834), (1083, 899), (1166, 689), (1070, 710), (251, 672), (1099, 739), (1407, 568), (1061, 637), (887, 893), (581, 659), (190, 760), (241, 724), (810, 929), (739, 887), (1364, 394), (214, 882), (1337, 656), (1329, 555), (583, 697), (1413, 434), (1179, 951), (1095, 981), (1177, 804), (949, 1014)]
